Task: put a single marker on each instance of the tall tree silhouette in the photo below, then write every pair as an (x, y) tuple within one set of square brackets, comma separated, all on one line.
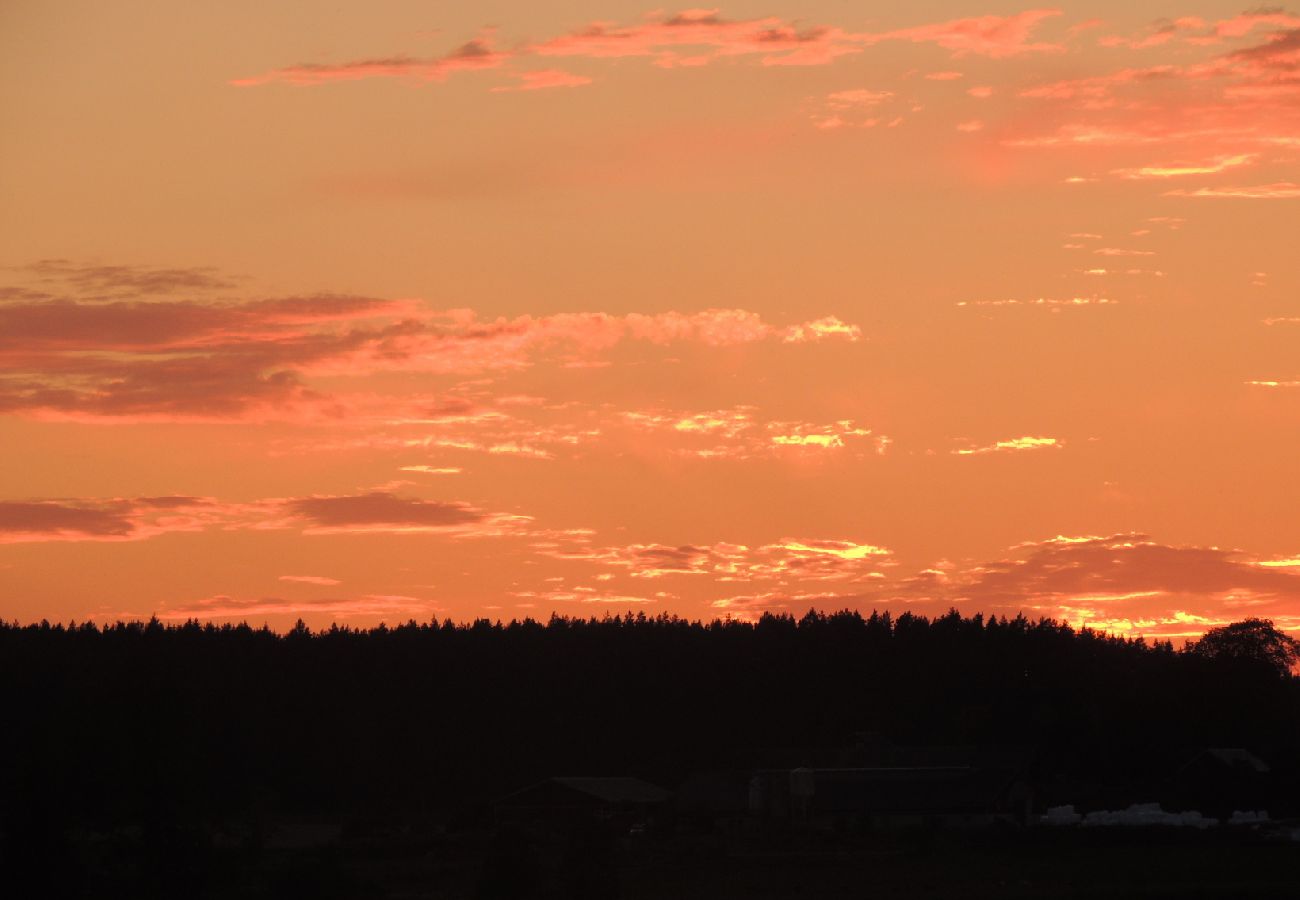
[(1252, 641)]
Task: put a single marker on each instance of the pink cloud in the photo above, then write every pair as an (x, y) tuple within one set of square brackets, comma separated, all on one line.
[(1237, 106), (995, 36), (692, 37), (115, 519), (1197, 31), (383, 512), (219, 361), (696, 36)]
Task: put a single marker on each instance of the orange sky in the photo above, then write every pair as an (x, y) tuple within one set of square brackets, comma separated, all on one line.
[(417, 309)]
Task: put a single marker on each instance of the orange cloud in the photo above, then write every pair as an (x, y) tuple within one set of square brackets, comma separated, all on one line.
[(222, 606)]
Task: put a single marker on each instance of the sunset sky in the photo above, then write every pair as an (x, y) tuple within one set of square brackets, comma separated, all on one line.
[(363, 312)]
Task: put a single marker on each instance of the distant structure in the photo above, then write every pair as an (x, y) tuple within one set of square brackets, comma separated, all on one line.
[(620, 801), (958, 796), (912, 789)]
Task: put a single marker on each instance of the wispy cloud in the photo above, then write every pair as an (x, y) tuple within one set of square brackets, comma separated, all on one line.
[(692, 37), (475, 55), (1281, 190)]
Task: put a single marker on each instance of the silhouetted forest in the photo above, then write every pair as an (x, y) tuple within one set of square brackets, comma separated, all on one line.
[(183, 725)]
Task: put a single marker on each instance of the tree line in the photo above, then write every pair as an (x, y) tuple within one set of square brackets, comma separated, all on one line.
[(145, 721)]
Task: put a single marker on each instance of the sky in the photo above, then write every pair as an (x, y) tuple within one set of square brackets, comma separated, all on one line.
[(412, 310)]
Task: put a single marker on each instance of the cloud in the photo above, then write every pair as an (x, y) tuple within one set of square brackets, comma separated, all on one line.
[(1125, 567), (1012, 446), (1122, 251), (167, 326), (255, 361), (380, 511), (855, 108), (47, 520), (1208, 167), (697, 37), (101, 520), (1282, 190), (584, 594), (1126, 582), (692, 37), (994, 36), (1234, 108), (95, 279), (545, 78), (786, 560), (310, 579), (827, 327), (1055, 304), (222, 606), (475, 55), (739, 433), (141, 518)]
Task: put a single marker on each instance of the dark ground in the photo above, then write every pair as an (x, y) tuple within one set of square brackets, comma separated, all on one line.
[(1041, 862)]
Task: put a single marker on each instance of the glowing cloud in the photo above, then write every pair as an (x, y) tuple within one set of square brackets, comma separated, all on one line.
[(1013, 445)]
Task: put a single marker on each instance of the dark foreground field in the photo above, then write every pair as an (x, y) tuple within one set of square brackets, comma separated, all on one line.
[(487, 864), (830, 756)]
